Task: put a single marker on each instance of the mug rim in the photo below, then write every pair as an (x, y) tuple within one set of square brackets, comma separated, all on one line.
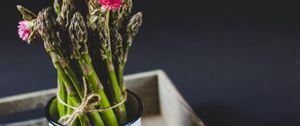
[(128, 123)]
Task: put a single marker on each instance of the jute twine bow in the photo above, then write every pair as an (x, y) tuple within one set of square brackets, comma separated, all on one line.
[(87, 100)]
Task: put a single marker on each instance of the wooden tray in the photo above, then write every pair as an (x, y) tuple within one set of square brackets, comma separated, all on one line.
[(163, 104)]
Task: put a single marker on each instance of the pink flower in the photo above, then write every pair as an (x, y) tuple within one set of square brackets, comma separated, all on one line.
[(111, 4), (24, 30)]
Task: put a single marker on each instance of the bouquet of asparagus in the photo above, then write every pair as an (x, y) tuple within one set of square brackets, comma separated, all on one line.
[(77, 35)]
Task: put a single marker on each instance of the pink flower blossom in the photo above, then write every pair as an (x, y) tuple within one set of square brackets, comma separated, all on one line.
[(111, 4), (24, 30)]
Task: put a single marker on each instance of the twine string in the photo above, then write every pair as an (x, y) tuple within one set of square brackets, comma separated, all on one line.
[(87, 100)]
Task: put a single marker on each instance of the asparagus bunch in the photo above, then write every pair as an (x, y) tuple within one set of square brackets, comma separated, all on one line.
[(68, 31)]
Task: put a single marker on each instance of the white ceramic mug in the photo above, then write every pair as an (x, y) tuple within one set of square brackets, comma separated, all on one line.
[(133, 103), (136, 123)]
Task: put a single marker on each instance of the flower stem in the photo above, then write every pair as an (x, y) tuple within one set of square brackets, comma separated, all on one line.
[(121, 110)]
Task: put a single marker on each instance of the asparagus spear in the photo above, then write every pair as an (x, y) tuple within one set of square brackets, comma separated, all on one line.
[(118, 56), (121, 53), (72, 97), (66, 12), (106, 53), (57, 6), (122, 14), (46, 27), (79, 37), (27, 14), (132, 30)]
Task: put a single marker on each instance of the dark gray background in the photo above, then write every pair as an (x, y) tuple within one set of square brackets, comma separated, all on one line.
[(236, 63)]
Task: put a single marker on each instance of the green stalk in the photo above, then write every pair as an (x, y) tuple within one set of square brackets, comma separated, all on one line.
[(74, 100), (63, 95), (76, 123), (121, 67), (132, 30), (121, 110), (69, 71), (108, 32), (69, 102), (91, 76), (71, 74), (72, 96), (113, 80), (121, 78), (52, 45), (119, 57), (97, 120), (78, 35)]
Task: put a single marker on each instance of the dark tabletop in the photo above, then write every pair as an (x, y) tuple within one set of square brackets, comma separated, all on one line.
[(236, 63)]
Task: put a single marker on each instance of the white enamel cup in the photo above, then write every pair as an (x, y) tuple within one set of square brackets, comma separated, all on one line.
[(134, 108)]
